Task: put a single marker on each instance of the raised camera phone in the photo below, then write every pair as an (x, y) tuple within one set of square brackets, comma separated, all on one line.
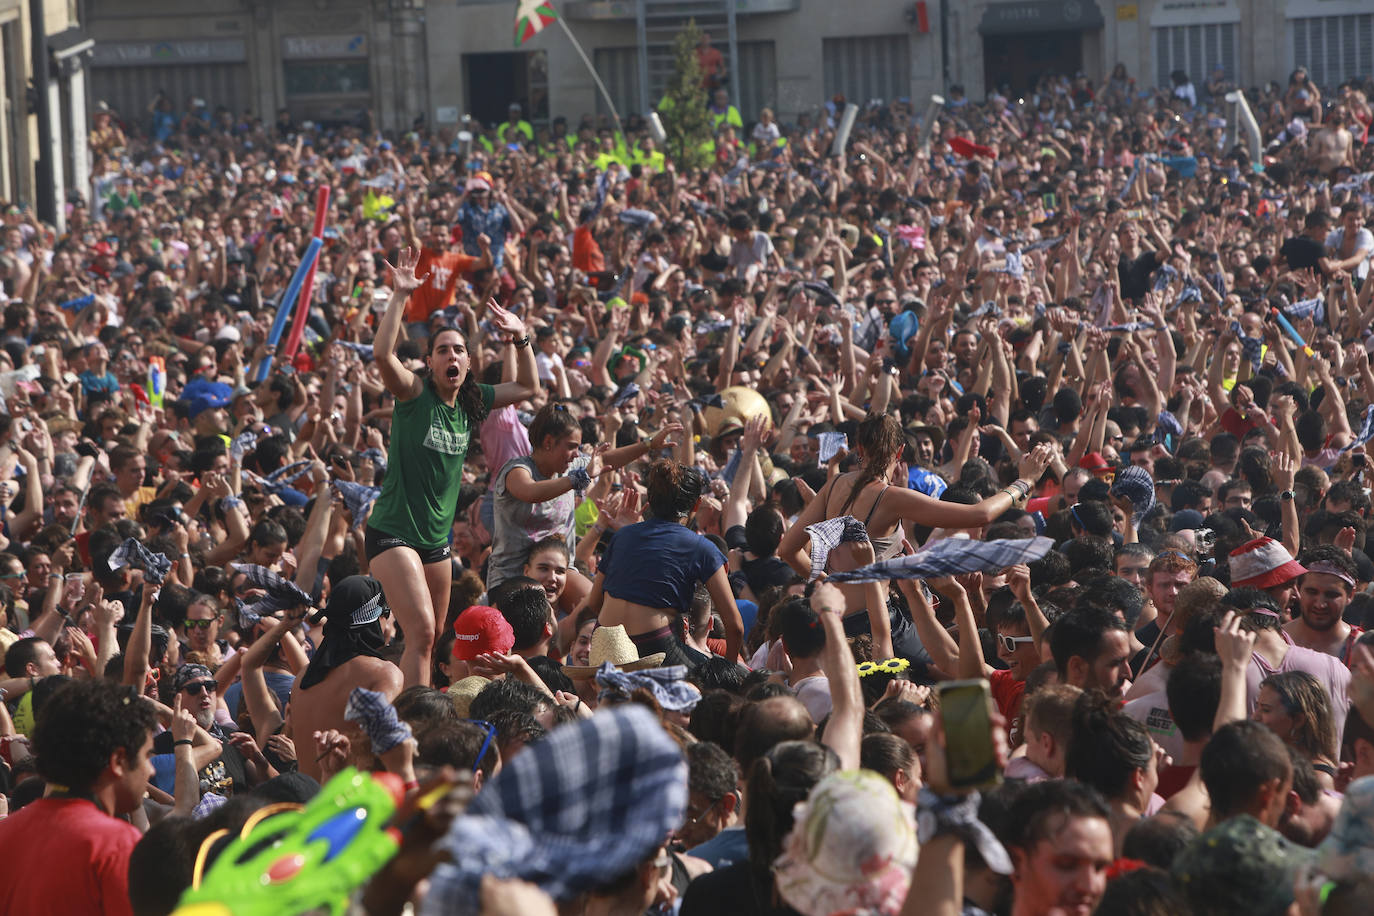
[(971, 758)]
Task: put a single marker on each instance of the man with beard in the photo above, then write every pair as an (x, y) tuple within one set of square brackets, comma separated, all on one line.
[(1092, 648), (223, 769), (349, 656), (1323, 593)]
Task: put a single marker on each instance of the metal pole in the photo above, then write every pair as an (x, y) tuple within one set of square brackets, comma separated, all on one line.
[(595, 77), (642, 37), (45, 195), (730, 9)]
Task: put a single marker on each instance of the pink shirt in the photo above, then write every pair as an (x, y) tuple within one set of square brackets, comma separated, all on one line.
[(504, 437), (1327, 669)]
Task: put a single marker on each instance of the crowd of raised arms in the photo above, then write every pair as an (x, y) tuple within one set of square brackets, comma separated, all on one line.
[(626, 520)]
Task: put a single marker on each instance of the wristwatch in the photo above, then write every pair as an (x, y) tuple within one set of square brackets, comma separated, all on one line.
[(1287, 495)]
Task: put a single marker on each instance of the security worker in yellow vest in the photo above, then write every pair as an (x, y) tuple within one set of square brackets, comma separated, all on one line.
[(514, 127), (722, 112), (646, 155)]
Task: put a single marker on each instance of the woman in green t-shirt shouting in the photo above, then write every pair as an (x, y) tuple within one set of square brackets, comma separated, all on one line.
[(407, 539)]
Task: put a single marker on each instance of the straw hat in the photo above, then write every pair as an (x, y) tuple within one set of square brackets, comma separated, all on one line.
[(613, 644), (462, 693)]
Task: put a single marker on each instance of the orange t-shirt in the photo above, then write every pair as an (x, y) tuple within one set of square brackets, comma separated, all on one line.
[(444, 269), (587, 256)]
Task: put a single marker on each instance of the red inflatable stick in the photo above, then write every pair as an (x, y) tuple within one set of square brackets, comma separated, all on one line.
[(293, 339)]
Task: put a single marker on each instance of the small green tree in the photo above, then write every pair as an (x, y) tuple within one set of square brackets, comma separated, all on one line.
[(683, 107)]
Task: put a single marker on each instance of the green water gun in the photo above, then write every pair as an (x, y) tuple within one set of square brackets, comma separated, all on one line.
[(290, 859)]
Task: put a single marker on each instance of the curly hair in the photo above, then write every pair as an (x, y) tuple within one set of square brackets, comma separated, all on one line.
[(82, 725)]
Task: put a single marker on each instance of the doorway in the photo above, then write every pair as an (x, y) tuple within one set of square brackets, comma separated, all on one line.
[(493, 81), (1019, 61)]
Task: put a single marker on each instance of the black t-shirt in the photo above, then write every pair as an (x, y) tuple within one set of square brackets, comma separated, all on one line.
[(226, 775), (736, 889), (770, 571), (1134, 275), (1301, 252)]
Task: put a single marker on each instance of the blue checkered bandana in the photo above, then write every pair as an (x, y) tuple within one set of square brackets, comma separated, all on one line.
[(829, 534), (571, 812), (952, 557), (155, 566), (377, 717), (668, 685)]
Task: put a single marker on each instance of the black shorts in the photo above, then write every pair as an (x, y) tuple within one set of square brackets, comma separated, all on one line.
[(377, 542)]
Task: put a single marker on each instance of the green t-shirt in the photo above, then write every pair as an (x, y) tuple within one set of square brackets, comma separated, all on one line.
[(429, 441)]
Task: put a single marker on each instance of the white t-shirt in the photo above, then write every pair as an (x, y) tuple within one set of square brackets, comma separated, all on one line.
[(1364, 241), (814, 693)]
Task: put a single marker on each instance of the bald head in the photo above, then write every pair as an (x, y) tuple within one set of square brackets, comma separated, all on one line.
[(767, 723)]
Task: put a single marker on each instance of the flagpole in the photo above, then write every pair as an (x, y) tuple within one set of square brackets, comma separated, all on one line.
[(592, 70)]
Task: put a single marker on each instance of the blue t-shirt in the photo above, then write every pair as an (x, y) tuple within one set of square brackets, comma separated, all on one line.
[(658, 564)]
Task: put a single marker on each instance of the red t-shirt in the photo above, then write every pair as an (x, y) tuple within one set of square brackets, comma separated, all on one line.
[(65, 857), (1006, 693)]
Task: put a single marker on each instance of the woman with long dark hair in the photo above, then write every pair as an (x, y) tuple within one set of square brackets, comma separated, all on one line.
[(870, 495), (408, 532), (651, 569)]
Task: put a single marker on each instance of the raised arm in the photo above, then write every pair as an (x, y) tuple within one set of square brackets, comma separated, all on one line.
[(399, 380), (526, 384), (844, 729)]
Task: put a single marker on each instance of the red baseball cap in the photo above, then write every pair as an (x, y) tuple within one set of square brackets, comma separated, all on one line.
[(481, 629)]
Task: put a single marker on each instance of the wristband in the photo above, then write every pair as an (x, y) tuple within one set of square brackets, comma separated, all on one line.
[(412, 785), (581, 480), (230, 502), (183, 742), (521, 342)]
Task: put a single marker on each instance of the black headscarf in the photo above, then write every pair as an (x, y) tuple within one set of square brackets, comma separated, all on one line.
[(352, 628)]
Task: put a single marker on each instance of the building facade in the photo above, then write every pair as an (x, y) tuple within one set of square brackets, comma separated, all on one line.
[(43, 150), (329, 61), (791, 55), (794, 55), (1250, 41)]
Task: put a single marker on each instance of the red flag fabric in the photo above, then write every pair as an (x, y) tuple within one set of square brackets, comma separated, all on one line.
[(968, 149)]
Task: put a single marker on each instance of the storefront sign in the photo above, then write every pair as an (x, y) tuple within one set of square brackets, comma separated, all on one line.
[(144, 53), (323, 47), (1040, 16), (1127, 12)]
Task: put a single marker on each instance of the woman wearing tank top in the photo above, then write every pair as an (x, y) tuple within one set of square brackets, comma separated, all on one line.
[(869, 494)]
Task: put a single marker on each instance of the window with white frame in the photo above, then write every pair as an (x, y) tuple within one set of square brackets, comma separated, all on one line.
[(1197, 50)]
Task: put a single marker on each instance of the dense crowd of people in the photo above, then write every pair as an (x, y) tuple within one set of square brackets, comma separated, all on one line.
[(637, 522)]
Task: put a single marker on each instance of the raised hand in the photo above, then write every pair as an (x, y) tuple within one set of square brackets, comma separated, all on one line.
[(505, 322), (1033, 464), (403, 279)]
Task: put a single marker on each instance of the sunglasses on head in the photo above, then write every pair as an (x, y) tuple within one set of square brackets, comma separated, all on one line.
[(1011, 642), (199, 687), (486, 742)]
